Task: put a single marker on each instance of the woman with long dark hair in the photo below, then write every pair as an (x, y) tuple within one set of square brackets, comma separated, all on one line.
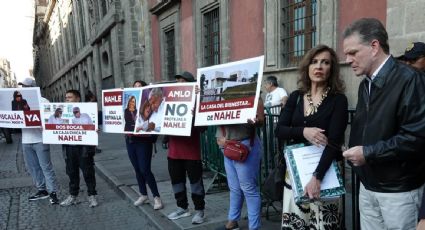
[(130, 114), (316, 113)]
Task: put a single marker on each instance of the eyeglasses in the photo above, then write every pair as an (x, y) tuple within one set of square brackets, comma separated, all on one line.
[(75, 112)]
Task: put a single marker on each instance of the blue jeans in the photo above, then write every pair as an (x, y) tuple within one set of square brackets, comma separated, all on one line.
[(242, 181), (140, 155), (39, 165)]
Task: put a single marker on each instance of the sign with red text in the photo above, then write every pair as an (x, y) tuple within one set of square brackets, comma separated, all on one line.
[(166, 109), (119, 109), (20, 108), (70, 123), (154, 109), (229, 92)]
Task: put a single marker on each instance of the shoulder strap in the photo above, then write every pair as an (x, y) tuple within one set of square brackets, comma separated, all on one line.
[(223, 131), (251, 138)]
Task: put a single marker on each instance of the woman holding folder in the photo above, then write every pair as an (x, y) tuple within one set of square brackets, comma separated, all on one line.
[(316, 113)]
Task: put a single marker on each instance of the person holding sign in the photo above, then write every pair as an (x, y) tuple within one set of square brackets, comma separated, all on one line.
[(37, 155), (184, 159), (79, 156), (242, 176), (139, 149), (316, 113)]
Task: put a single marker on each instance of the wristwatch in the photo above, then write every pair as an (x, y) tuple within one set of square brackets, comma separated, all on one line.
[(315, 174)]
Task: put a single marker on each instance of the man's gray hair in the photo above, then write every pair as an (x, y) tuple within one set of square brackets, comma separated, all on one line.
[(156, 92), (369, 29)]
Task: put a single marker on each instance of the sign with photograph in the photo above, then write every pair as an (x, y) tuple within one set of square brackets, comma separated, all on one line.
[(114, 102), (229, 92), (70, 123), (20, 108), (155, 109)]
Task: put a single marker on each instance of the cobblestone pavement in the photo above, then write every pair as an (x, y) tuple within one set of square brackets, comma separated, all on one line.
[(16, 212)]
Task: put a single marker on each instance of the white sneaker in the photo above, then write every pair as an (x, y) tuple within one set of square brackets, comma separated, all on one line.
[(141, 200), (92, 201), (179, 213), (198, 217), (70, 200), (157, 203)]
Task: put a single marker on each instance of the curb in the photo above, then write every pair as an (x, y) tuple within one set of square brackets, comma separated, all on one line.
[(158, 221)]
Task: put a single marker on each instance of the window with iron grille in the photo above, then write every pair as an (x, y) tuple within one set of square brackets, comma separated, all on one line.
[(170, 54), (298, 29), (211, 35)]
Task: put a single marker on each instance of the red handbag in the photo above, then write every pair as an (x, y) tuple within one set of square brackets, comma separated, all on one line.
[(235, 150)]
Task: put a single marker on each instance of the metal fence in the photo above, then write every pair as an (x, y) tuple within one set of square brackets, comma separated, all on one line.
[(213, 160)]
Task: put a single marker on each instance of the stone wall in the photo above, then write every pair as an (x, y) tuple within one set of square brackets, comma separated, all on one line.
[(90, 45), (405, 23)]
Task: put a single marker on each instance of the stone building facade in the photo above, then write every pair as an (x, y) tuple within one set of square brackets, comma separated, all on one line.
[(7, 76), (101, 44), (88, 45)]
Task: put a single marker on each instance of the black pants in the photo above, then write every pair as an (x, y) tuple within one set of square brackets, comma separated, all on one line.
[(76, 157), (178, 169), (7, 135)]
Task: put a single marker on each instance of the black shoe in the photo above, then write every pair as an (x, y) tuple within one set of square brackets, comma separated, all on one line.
[(53, 198), (42, 194), (234, 227)]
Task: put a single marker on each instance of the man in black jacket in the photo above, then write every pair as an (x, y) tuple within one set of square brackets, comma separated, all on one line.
[(388, 131)]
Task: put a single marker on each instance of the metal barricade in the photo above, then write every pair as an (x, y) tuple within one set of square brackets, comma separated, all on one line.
[(214, 161), (212, 157)]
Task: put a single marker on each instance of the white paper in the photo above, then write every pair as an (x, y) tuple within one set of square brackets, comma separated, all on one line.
[(307, 158)]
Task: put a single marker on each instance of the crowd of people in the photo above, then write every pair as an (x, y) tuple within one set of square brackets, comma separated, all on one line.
[(385, 143)]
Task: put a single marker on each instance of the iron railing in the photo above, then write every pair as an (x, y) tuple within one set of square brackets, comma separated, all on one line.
[(213, 160)]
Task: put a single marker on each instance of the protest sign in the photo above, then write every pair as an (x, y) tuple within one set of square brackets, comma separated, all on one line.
[(20, 107), (229, 92), (154, 109), (70, 123), (166, 109), (116, 105)]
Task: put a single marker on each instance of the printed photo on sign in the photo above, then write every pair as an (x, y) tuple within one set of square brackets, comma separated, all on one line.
[(20, 107), (130, 104), (70, 123), (166, 109), (229, 92)]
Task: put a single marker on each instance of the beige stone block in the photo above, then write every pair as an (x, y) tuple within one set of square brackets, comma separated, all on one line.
[(395, 21), (415, 17)]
